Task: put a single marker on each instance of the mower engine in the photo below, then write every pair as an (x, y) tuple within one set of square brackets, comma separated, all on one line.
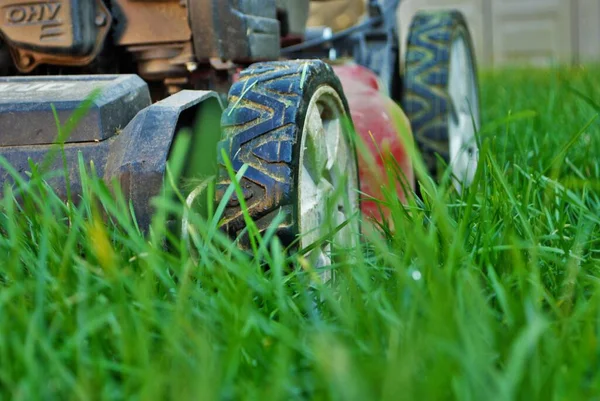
[(59, 33), (178, 44)]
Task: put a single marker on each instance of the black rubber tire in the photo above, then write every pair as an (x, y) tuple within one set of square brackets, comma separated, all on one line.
[(426, 100), (264, 130)]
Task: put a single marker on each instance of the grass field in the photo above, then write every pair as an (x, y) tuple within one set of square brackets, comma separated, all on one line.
[(491, 296)]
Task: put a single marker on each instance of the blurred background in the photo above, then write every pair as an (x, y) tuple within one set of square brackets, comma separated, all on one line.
[(505, 32), (531, 32)]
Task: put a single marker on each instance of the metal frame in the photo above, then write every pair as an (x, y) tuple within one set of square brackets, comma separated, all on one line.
[(372, 43)]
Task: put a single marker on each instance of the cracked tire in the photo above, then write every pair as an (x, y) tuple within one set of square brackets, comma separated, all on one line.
[(441, 94), (281, 121)]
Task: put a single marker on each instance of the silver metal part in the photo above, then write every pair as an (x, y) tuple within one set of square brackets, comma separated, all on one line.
[(328, 178), (464, 152)]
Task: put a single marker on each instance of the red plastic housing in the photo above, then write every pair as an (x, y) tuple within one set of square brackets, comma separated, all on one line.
[(384, 130)]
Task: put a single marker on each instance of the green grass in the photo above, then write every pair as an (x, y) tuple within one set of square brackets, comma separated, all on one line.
[(488, 296)]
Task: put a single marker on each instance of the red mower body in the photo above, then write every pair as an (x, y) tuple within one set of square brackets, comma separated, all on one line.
[(385, 134)]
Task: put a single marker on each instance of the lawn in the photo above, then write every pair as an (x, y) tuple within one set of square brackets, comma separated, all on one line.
[(489, 296)]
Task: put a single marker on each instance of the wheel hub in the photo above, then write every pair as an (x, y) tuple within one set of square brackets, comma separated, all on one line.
[(328, 177), (464, 119)]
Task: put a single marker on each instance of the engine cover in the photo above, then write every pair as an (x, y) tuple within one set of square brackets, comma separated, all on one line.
[(62, 32)]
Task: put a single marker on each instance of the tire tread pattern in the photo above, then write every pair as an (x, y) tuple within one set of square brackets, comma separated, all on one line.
[(262, 127), (427, 72)]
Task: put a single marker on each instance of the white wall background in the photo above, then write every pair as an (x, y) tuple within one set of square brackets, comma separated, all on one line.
[(533, 32)]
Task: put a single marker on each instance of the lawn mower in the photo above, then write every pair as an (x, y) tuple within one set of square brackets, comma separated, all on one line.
[(279, 98)]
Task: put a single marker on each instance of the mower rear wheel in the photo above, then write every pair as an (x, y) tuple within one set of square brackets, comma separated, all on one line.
[(441, 94), (289, 122)]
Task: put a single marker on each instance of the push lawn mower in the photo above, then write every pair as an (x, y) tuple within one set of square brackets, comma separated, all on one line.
[(295, 95)]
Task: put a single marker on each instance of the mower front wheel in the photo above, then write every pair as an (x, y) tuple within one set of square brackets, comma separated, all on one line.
[(289, 123)]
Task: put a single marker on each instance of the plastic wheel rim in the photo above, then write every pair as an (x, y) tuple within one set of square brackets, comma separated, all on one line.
[(327, 178), (464, 115)]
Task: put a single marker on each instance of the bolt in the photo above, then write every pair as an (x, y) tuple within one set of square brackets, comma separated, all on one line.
[(100, 20), (26, 60), (191, 66)]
